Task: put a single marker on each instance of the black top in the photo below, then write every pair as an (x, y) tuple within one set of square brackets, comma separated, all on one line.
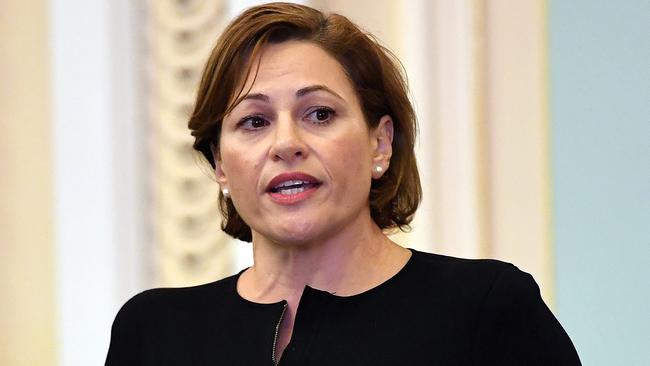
[(437, 310)]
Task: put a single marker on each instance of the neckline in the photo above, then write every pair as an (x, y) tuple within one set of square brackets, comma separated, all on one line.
[(308, 289)]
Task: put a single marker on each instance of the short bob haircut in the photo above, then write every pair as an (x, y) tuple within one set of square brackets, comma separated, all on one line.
[(374, 72)]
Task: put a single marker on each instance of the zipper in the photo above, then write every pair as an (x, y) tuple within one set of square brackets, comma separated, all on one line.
[(277, 332)]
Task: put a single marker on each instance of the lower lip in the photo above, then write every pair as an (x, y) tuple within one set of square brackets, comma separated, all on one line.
[(291, 199)]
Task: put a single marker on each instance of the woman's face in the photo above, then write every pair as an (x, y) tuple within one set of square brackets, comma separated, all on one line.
[(296, 154)]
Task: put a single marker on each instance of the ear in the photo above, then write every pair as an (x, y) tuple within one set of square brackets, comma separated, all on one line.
[(218, 167), (383, 148)]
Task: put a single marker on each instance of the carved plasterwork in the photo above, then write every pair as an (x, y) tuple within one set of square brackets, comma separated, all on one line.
[(189, 247)]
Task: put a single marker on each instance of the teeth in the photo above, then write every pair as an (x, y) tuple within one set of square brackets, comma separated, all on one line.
[(291, 191), (290, 183)]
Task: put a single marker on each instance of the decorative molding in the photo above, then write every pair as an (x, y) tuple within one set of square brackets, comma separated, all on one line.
[(188, 245)]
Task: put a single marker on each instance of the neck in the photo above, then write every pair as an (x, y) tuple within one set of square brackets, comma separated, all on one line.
[(349, 263)]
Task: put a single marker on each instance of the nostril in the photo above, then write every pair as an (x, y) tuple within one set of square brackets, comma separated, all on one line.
[(288, 149)]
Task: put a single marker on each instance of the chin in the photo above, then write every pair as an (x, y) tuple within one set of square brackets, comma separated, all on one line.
[(297, 232)]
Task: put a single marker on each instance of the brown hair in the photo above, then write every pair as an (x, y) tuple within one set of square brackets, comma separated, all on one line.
[(373, 70)]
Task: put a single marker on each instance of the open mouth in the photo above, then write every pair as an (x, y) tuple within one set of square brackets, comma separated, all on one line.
[(293, 187)]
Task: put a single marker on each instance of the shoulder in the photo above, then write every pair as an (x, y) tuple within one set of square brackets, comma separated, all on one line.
[(473, 287), (159, 315), (510, 321), (456, 263), (498, 284), (162, 301), (477, 275)]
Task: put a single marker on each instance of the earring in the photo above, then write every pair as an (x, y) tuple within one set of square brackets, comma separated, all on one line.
[(225, 192), (378, 169)]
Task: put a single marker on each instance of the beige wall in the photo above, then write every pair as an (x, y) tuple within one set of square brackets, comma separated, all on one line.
[(27, 275)]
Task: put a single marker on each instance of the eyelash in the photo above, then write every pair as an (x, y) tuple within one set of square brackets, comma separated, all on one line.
[(250, 118), (244, 120), (331, 113)]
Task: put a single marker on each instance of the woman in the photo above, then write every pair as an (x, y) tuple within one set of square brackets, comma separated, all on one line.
[(306, 122)]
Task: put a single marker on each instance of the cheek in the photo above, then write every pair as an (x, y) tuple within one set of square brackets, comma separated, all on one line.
[(239, 165), (242, 172), (352, 160)]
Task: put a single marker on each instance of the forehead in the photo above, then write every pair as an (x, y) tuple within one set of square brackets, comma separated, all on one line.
[(293, 65)]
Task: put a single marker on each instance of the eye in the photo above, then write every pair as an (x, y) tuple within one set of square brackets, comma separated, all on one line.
[(321, 115), (253, 123)]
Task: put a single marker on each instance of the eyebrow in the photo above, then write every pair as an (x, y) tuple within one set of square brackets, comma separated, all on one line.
[(314, 88), (299, 93), (257, 96)]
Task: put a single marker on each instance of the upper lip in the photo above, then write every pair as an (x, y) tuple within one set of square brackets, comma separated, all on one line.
[(292, 176)]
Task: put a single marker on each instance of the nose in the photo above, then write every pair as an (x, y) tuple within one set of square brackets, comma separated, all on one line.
[(288, 144)]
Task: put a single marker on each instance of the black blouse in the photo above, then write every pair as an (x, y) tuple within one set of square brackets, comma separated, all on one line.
[(437, 310)]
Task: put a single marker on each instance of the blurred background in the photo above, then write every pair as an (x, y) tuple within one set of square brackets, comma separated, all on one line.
[(534, 149)]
